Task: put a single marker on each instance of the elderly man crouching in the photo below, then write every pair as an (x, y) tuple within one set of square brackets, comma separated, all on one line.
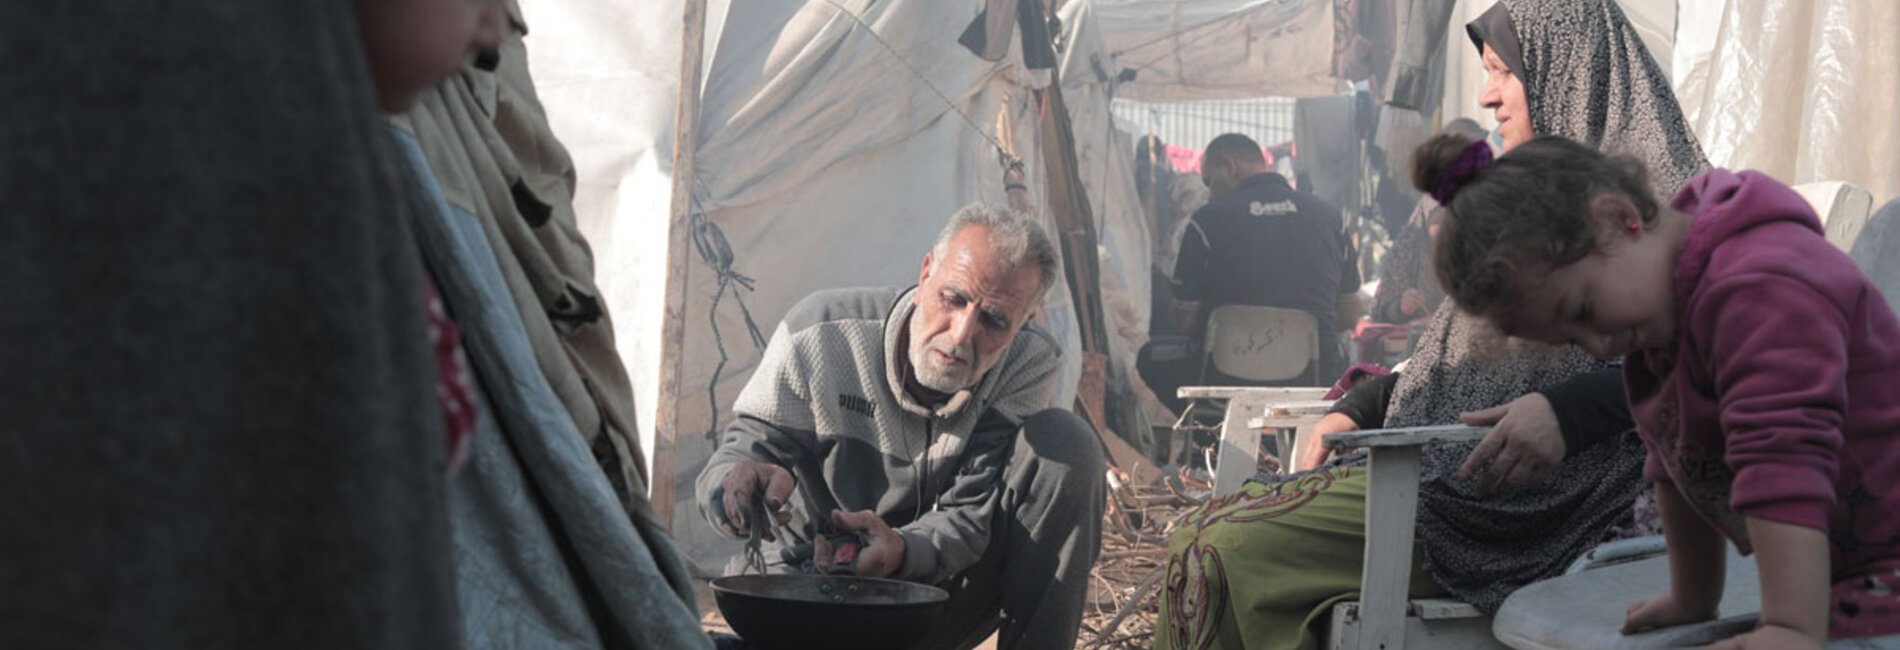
[(917, 421)]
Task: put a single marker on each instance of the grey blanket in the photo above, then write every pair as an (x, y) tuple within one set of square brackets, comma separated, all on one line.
[(546, 557)]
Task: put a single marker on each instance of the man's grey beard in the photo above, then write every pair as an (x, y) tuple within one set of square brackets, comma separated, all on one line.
[(936, 377)]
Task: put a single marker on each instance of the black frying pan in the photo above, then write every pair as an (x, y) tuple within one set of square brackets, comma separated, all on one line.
[(829, 612)]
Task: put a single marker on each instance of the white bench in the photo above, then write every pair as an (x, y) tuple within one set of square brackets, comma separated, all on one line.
[(1292, 422), (1584, 611), (1250, 410), (1579, 611), (1385, 618)]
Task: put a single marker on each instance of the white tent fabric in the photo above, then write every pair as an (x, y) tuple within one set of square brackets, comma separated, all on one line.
[(1803, 90), (1655, 22), (608, 73), (1228, 49), (1464, 69), (1697, 24), (1105, 158), (1219, 49)]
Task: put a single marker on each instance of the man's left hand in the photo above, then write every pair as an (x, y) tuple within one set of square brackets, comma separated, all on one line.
[(883, 550)]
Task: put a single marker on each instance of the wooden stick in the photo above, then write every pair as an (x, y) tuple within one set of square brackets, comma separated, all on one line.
[(666, 422), (1407, 437), (1146, 552), (1141, 595)]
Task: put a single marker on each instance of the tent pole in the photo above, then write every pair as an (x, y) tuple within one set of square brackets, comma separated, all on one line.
[(1075, 225), (678, 242)]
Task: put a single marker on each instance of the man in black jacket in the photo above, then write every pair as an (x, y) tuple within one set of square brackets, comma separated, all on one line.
[(1257, 242)]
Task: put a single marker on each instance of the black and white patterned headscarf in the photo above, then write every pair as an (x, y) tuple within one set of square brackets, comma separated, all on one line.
[(1587, 77)]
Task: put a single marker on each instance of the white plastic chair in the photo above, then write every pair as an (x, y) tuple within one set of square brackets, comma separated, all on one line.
[(1250, 410), (1257, 344), (1877, 250), (1262, 344), (1843, 208), (1584, 610), (1581, 610), (1385, 617)]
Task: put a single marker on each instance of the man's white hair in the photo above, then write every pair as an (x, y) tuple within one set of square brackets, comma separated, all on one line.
[(1016, 238)]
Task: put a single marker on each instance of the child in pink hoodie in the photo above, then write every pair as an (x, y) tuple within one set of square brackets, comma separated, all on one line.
[(1763, 368)]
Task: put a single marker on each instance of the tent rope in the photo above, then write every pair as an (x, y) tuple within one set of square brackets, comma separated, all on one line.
[(716, 252), (920, 77)]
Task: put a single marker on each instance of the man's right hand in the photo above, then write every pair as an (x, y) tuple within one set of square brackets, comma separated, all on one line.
[(742, 486), (882, 552)]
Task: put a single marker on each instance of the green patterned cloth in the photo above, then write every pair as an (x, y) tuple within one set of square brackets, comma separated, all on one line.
[(1260, 568)]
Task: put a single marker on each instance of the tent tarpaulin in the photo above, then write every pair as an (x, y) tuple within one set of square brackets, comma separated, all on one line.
[(608, 73), (1219, 49), (1105, 158), (835, 138), (1801, 89)]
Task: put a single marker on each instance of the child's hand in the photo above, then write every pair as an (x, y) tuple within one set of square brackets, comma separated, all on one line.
[(1769, 636), (1662, 611)]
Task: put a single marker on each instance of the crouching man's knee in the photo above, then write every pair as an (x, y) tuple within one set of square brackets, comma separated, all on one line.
[(1057, 436), (1064, 442)]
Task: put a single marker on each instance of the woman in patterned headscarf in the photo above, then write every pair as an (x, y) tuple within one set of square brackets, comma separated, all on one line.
[(1261, 567)]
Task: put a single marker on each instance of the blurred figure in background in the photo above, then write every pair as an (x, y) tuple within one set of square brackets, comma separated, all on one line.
[(1408, 292), (1257, 242)]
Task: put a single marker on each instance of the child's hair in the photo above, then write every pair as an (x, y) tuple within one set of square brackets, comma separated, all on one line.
[(1513, 221)]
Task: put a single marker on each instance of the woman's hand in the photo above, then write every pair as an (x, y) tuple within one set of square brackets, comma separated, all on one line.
[(1663, 611), (1316, 453), (1525, 442), (1411, 302)]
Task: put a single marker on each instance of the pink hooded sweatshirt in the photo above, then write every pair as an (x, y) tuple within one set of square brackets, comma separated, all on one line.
[(1780, 396)]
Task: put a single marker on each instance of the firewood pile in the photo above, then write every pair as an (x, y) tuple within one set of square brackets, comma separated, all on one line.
[(1126, 581)]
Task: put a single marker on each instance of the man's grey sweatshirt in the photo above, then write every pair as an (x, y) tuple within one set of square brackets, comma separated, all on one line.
[(828, 403)]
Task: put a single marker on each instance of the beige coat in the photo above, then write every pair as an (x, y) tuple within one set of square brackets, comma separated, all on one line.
[(488, 141)]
